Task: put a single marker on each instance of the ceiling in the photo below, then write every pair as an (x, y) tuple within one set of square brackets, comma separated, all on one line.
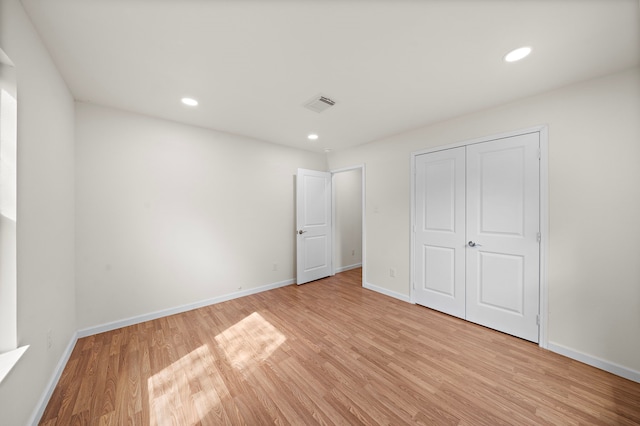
[(390, 65)]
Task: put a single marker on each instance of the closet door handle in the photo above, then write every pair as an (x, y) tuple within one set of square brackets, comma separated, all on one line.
[(472, 244)]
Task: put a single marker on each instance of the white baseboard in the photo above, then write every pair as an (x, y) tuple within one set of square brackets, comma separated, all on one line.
[(347, 268), (593, 361), (90, 331), (386, 292), (44, 399), (48, 390)]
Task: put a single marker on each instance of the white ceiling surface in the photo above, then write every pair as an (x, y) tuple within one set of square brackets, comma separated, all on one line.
[(390, 65)]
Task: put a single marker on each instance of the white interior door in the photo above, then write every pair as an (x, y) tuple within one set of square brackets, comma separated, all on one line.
[(440, 231), (503, 224), (313, 219)]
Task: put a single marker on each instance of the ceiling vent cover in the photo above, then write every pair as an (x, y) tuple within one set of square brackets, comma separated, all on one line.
[(319, 103)]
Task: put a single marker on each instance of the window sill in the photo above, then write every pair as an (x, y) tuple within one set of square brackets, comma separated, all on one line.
[(9, 359)]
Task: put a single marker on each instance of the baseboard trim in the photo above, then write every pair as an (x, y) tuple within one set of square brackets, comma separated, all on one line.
[(90, 331), (55, 377), (593, 361), (387, 292), (348, 268), (44, 399)]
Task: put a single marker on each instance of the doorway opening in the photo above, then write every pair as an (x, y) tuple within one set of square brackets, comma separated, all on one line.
[(348, 219), (330, 222)]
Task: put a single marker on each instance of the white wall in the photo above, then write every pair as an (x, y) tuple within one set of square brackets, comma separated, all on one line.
[(594, 180), (169, 214), (45, 217), (348, 219)]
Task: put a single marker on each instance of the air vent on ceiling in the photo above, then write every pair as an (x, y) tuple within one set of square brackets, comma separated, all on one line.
[(319, 103)]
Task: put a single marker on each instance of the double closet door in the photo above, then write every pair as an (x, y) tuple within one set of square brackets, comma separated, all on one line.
[(477, 233)]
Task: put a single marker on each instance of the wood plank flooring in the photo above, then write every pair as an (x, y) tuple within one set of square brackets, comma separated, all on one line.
[(328, 352)]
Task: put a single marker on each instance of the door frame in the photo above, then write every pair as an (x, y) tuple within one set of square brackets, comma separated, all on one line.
[(544, 214), (333, 172)]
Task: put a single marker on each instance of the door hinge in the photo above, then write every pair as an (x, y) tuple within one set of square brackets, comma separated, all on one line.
[(539, 237), (537, 320), (539, 153)]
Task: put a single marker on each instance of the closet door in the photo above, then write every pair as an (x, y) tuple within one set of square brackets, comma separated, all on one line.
[(439, 231), (503, 217)]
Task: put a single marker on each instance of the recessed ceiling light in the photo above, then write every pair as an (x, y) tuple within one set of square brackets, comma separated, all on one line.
[(189, 101), (312, 137), (517, 54)]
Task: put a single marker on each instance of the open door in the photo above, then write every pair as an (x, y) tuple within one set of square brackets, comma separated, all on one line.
[(313, 225)]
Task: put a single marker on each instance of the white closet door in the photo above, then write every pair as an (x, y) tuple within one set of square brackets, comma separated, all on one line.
[(503, 194), (440, 234)]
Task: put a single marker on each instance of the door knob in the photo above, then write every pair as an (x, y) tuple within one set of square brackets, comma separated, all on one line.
[(472, 244), (300, 232)]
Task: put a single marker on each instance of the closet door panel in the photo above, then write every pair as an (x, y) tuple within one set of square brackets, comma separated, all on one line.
[(502, 225), (439, 234)]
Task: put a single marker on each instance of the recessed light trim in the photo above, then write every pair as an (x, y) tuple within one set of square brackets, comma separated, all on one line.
[(189, 102), (517, 54), (312, 136)]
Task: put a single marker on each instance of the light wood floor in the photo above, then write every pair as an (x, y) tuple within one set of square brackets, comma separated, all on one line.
[(328, 352)]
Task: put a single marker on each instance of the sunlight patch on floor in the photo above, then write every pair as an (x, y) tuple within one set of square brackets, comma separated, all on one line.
[(250, 341), (184, 392), (192, 388)]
